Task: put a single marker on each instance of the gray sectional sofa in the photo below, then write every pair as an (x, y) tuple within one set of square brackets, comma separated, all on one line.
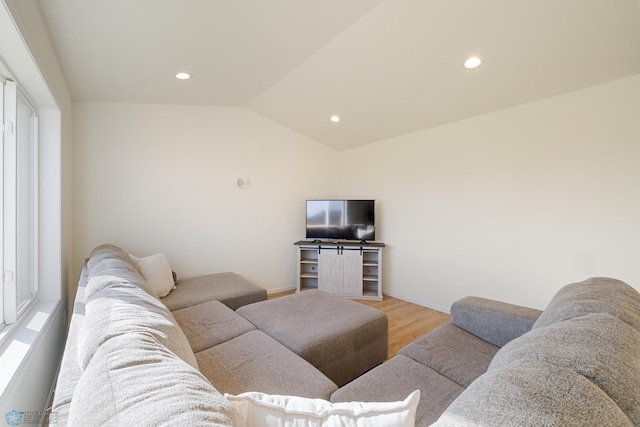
[(131, 357), (577, 363)]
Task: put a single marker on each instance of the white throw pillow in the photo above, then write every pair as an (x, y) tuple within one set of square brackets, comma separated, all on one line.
[(260, 409), (157, 273)]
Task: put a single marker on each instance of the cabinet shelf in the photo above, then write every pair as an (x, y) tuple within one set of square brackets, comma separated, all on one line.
[(349, 269)]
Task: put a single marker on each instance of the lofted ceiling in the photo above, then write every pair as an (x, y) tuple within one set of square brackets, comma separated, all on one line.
[(386, 67)]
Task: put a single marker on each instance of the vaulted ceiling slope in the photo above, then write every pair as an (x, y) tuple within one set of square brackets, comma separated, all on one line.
[(386, 67)]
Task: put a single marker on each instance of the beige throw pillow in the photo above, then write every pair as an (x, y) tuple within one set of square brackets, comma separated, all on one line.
[(157, 273)]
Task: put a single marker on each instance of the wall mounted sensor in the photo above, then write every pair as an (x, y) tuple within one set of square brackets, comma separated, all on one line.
[(243, 183)]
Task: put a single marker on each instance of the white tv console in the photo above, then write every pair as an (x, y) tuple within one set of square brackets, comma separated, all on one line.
[(349, 269)]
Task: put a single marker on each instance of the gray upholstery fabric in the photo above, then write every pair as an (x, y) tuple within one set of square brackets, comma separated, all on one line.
[(340, 337), (231, 289), (594, 295), (493, 321), (70, 367), (453, 352), (533, 393), (598, 346), (578, 365), (395, 379), (110, 260), (134, 380), (256, 362), (122, 308), (211, 323)]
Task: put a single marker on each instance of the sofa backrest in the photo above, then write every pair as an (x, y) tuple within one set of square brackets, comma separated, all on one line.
[(134, 380), (111, 261), (116, 307), (70, 371), (594, 295), (596, 346), (579, 365)]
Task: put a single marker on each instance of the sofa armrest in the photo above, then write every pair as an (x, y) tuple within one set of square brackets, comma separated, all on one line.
[(493, 321)]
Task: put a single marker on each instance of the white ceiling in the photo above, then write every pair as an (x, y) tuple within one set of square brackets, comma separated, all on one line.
[(387, 67)]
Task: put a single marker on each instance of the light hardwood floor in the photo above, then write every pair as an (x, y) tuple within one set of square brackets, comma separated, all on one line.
[(407, 321)]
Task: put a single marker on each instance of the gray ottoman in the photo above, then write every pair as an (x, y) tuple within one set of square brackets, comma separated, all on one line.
[(230, 289), (340, 337)]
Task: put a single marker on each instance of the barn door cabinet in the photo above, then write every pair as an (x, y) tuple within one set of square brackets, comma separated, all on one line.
[(349, 269)]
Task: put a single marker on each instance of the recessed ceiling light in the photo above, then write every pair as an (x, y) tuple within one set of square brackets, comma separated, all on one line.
[(472, 62), (183, 76), (335, 119)]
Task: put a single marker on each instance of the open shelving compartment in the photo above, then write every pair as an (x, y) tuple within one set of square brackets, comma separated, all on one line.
[(307, 269)]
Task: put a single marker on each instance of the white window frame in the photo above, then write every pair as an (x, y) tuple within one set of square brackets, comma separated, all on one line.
[(10, 309), (2, 130)]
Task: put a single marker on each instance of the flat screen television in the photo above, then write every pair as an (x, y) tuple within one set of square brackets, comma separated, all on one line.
[(341, 219)]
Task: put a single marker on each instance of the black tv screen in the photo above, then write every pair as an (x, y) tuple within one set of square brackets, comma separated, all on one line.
[(341, 219)]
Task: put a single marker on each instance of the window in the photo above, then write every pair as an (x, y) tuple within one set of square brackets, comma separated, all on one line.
[(18, 251)]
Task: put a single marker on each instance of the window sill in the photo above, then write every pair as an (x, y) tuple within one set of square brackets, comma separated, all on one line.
[(18, 340)]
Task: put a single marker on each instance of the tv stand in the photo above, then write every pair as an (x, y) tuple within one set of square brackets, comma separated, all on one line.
[(348, 268)]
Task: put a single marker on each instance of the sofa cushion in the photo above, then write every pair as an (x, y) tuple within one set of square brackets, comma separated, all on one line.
[(453, 352), (533, 393), (229, 288), (119, 308), (395, 379), (134, 380), (264, 410), (598, 346), (211, 323), (595, 295), (256, 362)]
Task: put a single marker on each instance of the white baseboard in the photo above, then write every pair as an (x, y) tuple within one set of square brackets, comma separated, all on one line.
[(419, 302), (282, 289)]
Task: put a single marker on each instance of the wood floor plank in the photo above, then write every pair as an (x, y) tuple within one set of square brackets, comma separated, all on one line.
[(407, 321)]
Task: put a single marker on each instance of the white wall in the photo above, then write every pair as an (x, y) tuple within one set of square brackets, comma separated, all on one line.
[(510, 205), (160, 178)]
